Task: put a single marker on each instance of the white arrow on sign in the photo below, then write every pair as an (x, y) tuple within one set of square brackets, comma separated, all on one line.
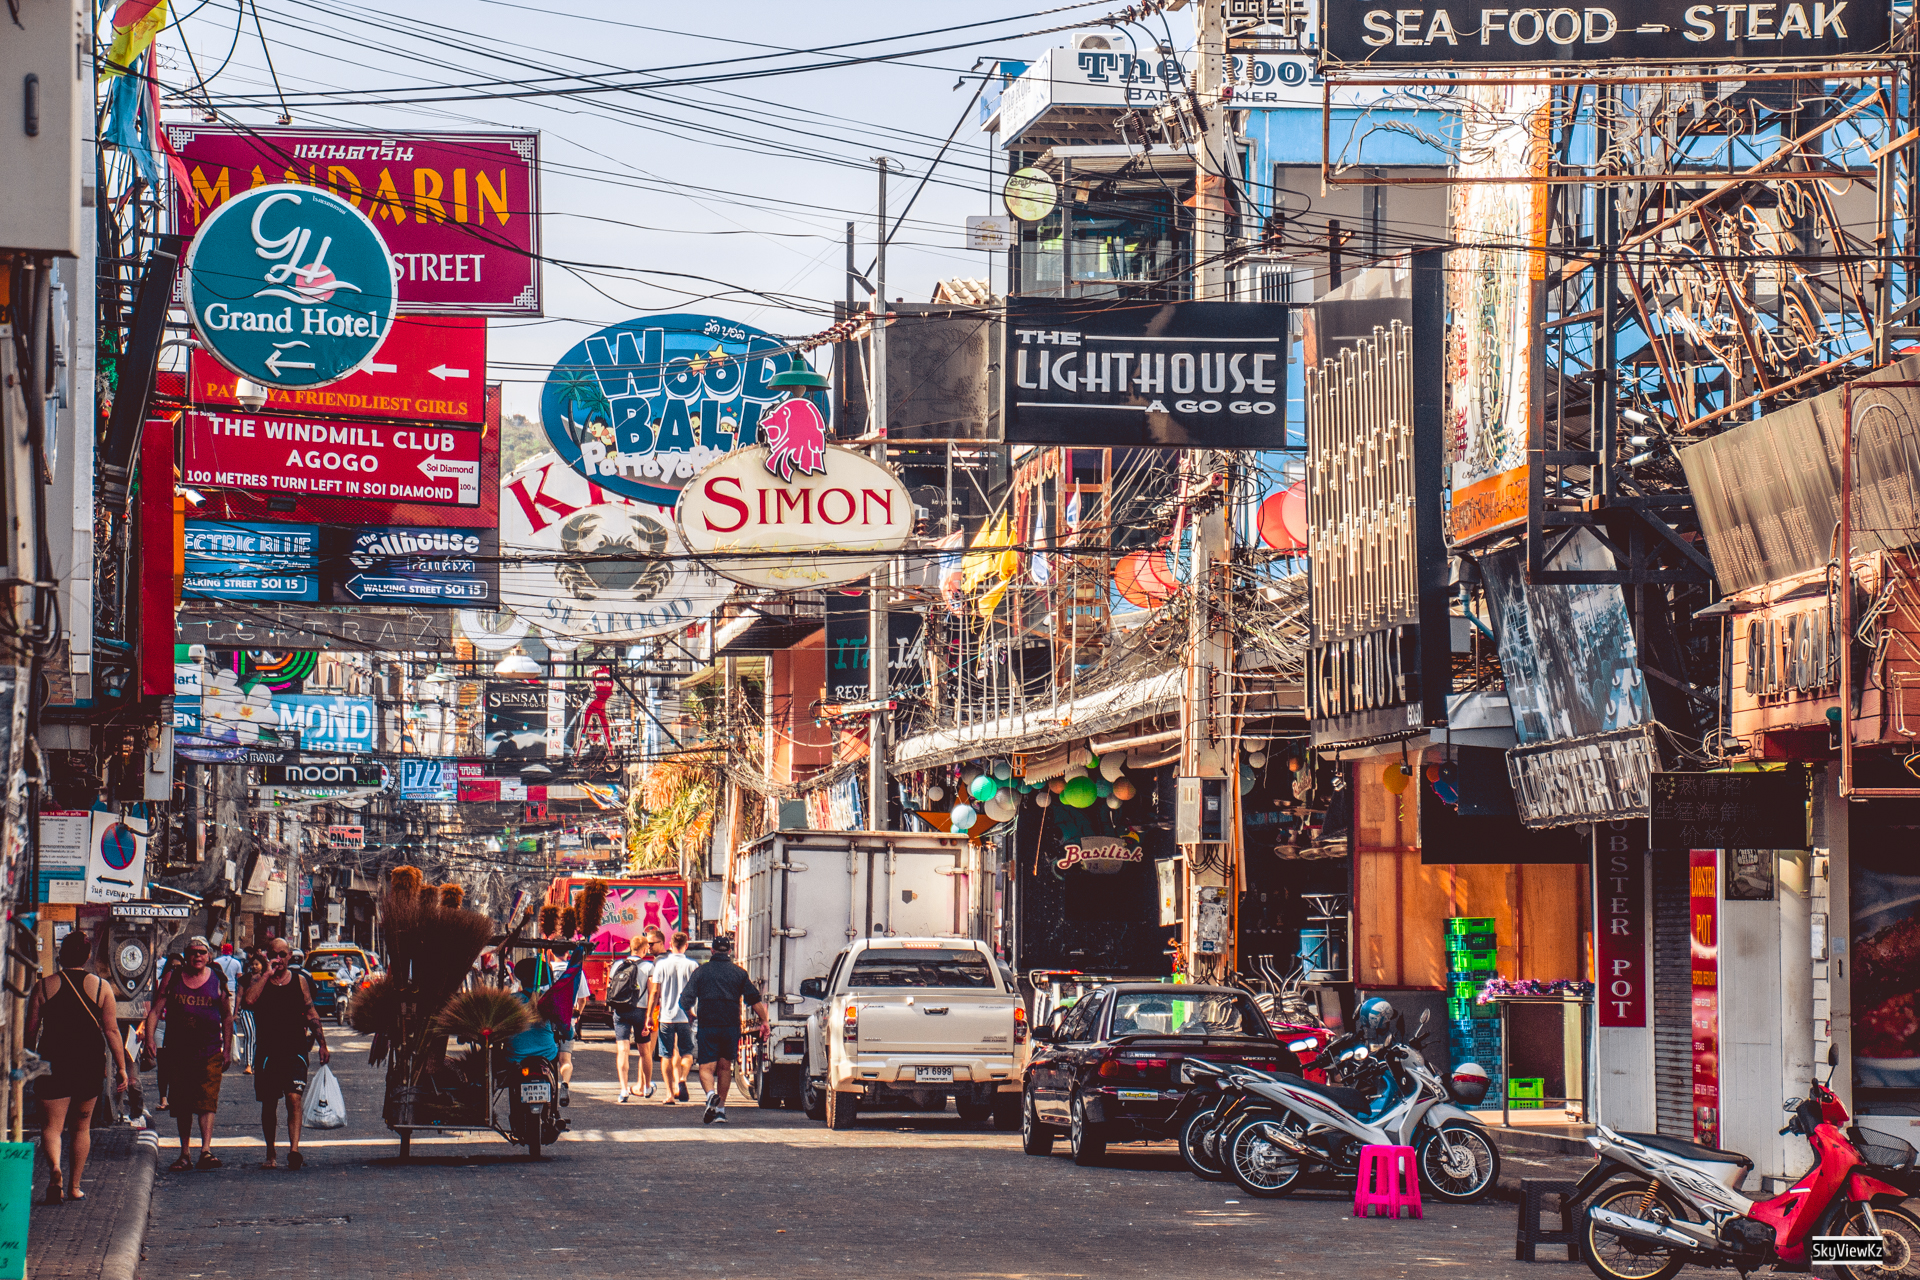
[(442, 372), (275, 364), (383, 368), (434, 466)]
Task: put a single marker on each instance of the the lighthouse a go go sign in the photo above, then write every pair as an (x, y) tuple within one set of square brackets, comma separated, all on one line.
[(795, 513), (290, 286)]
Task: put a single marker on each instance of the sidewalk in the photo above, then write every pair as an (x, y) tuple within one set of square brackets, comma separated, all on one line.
[(1553, 1151), (100, 1236)]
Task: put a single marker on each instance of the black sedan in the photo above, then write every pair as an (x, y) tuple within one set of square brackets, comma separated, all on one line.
[(1107, 1070)]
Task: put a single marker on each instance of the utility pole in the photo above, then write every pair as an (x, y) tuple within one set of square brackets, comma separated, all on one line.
[(1206, 728), (877, 671)]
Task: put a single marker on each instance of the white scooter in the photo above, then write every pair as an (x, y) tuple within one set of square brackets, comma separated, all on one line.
[(1299, 1126)]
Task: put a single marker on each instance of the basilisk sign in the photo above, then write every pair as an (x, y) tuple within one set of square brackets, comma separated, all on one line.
[(290, 286)]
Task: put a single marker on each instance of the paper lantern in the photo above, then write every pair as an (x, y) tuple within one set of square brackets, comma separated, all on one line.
[(1056, 785), (1103, 788), (967, 775), (1395, 778), (1258, 759), (934, 794), (1282, 519), (1125, 790), (1293, 764), (1113, 802), (963, 816), (1112, 763), (1043, 798), (1433, 773), (1000, 808), (1002, 770), (1247, 779), (985, 787), (1079, 793), (1144, 578)]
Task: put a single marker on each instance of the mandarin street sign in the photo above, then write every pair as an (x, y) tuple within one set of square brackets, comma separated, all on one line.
[(290, 286)]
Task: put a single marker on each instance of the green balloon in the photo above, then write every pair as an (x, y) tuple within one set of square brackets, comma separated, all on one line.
[(1079, 793), (1103, 788), (985, 787)]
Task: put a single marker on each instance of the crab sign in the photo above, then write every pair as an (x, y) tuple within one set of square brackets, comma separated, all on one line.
[(796, 438)]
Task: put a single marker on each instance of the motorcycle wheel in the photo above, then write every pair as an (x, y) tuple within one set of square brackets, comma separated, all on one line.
[(1900, 1231), (1463, 1167), (1262, 1167), (1193, 1148), (530, 1126), (1615, 1257)]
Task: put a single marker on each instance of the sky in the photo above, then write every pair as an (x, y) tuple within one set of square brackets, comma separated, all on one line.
[(750, 183)]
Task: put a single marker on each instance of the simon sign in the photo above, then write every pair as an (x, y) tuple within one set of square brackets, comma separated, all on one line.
[(764, 516), (290, 286)]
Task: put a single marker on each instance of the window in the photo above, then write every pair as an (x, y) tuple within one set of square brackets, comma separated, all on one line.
[(1173, 1011), (922, 967)]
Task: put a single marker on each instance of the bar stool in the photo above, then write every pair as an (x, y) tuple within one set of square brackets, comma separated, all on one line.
[(1389, 1181)]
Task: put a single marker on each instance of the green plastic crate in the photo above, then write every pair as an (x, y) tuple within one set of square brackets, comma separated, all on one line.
[(1461, 1009), (1526, 1089), (1484, 940), (1525, 1104), (1473, 962), (1470, 924)]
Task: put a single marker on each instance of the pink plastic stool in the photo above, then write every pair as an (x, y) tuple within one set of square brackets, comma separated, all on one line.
[(1389, 1181)]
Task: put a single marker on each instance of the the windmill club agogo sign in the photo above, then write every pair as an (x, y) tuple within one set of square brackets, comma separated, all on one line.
[(767, 515)]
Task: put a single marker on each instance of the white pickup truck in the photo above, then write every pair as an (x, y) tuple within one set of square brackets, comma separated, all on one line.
[(906, 1023)]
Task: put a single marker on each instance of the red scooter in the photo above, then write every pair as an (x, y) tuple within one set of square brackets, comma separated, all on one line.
[(1680, 1205)]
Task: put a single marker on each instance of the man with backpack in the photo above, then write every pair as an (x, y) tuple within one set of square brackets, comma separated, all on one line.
[(630, 997)]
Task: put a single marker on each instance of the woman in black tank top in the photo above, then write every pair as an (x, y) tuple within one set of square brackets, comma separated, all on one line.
[(71, 1018)]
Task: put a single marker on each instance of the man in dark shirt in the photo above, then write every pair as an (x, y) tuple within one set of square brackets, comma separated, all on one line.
[(713, 997)]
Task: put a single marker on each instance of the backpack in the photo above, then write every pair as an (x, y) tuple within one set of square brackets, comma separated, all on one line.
[(623, 985)]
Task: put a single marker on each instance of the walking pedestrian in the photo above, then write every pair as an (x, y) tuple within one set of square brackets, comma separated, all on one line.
[(714, 995), (630, 997), (670, 978), (198, 1046), (68, 1017), (285, 1020)]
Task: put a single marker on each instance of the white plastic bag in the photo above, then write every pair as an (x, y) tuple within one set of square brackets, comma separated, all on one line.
[(325, 1107)]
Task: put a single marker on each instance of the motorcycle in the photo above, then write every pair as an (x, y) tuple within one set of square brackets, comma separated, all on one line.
[(1290, 1126), (1681, 1205), (533, 1115)]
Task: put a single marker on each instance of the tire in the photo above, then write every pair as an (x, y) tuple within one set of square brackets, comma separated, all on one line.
[(842, 1109), (972, 1112), (1006, 1112), (1613, 1257), (1199, 1161), (934, 1105), (1085, 1138), (1036, 1139), (813, 1099), (534, 1125), (1462, 1170), (1261, 1167), (406, 1144), (1901, 1232)]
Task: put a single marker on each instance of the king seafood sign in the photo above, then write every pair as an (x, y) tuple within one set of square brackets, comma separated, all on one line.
[(794, 512)]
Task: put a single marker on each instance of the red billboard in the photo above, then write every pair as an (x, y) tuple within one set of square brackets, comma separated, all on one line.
[(459, 211), (268, 507), (430, 369), (387, 461)]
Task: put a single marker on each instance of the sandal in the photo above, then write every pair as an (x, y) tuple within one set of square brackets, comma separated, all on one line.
[(208, 1160), (182, 1165), (296, 1161), (269, 1163), (76, 1194)]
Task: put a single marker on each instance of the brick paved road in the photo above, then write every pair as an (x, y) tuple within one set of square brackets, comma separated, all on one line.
[(645, 1189)]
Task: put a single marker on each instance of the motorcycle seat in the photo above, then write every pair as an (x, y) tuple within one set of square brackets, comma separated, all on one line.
[(1351, 1101), (1689, 1150)]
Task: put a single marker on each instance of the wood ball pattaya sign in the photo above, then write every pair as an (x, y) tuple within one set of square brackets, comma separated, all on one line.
[(790, 515)]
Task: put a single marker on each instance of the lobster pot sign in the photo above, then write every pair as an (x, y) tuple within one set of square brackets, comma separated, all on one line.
[(794, 514), (581, 563)]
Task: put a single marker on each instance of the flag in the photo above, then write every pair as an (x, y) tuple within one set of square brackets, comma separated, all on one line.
[(980, 560), (135, 24), (950, 573), (1042, 561)]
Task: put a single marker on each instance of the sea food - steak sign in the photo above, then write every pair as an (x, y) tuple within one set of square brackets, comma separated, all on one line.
[(763, 516), (290, 286)]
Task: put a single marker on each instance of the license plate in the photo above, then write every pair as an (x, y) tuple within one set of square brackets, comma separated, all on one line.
[(1140, 1095), (536, 1093), (933, 1075)]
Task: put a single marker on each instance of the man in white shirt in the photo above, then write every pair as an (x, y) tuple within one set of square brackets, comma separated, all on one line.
[(670, 978)]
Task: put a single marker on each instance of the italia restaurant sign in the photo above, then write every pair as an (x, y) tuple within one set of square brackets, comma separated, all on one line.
[(290, 286), (763, 516)]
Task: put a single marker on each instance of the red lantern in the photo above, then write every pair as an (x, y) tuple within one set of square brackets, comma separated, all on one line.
[(1282, 519), (1143, 578)]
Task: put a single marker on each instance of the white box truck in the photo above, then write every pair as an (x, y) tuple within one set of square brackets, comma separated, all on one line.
[(805, 895)]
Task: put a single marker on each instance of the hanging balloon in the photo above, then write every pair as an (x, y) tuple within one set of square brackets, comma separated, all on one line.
[(1103, 788), (1433, 772), (1293, 765), (1112, 763), (934, 794), (985, 787), (1093, 762), (1144, 579), (1113, 802), (1395, 777), (1247, 778), (963, 816), (1056, 785), (1258, 759), (1002, 770), (1282, 519), (1003, 807), (1043, 798), (1079, 793), (1125, 790)]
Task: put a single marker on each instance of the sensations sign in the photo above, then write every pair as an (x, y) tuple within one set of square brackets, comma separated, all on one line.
[(641, 406), (290, 286), (784, 518)]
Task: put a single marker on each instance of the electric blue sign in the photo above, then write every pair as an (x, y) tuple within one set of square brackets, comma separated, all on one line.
[(290, 286), (641, 406), (434, 780), (227, 560)]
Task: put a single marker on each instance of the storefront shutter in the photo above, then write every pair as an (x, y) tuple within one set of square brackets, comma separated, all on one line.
[(1672, 996)]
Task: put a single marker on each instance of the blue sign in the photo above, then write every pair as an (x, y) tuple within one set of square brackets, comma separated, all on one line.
[(232, 561), (436, 780), (290, 286), (387, 564), (641, 406), (323, 723)]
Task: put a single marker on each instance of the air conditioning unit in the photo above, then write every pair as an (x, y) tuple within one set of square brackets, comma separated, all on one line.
[(1100, 42), (1259, 281)]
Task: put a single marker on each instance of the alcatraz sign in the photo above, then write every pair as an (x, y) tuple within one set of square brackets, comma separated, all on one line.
[(1625, 31), (1207, 375)]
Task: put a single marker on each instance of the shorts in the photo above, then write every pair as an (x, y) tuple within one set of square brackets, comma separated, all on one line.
[(676, 1037), (718, 1044), (630, 1024), (275, 1075), (566, 1045)]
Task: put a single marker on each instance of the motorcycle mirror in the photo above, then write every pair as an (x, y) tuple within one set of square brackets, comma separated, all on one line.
[(1426, 1016), (1833, 1054), (1793, 1104)]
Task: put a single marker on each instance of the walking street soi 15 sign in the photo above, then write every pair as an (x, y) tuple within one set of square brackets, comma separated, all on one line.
[(290, 286), (799, 497), (1206, 375), (1624, 30)]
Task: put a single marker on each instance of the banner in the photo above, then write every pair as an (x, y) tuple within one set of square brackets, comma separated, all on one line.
[(295, 626), (1703, 930), (516, 721), (117, 856), (384, 461), (460, 212), (1744, 810), (431, 780), (407, 564), (239, 561), (1620, 922), (430, 369)]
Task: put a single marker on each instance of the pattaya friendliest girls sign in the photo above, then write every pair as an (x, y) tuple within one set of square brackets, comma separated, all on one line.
[(786, 514)]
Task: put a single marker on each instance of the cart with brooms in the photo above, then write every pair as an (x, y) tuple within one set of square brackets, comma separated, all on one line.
[(443, 1029)]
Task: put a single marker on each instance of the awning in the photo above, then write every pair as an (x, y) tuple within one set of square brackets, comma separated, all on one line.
[(1035, 730), (765, 633), (745, 668)]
